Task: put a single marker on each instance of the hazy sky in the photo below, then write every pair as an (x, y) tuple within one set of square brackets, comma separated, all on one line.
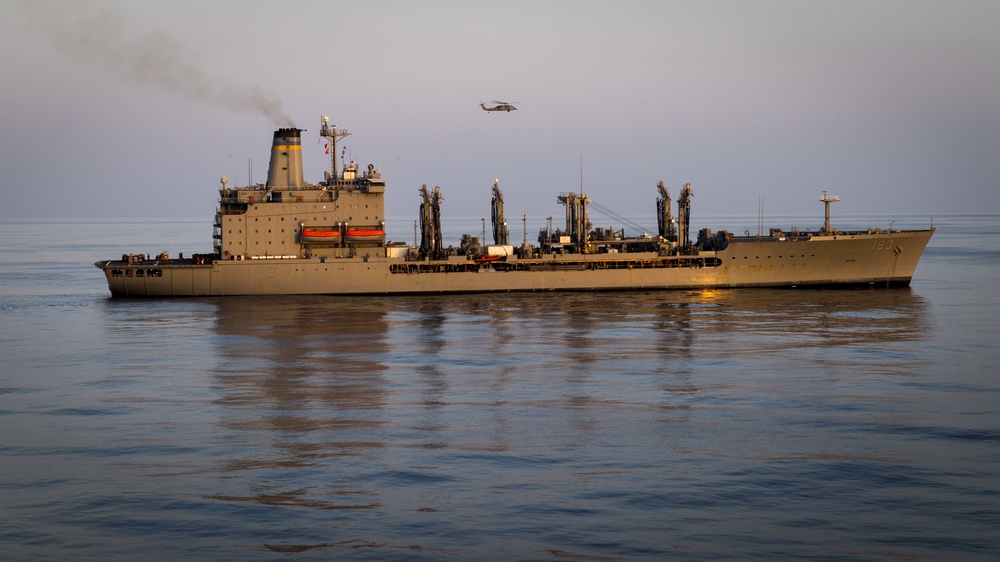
[(137, 108)]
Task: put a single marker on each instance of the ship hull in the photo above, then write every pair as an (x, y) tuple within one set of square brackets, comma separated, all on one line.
[(880, 259)]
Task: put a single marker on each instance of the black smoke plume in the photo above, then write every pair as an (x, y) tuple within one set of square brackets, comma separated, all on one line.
[(99, 34)]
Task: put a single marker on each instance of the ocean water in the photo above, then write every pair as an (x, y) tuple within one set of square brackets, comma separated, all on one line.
[(687, 425)]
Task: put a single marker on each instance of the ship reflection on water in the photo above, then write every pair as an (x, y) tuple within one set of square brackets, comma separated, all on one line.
[(300, 382), (380, 403)]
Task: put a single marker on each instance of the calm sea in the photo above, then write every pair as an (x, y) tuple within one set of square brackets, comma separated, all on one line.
[(689, 425)]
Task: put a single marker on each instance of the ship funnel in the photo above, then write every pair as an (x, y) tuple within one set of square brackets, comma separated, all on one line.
[(285, 169)]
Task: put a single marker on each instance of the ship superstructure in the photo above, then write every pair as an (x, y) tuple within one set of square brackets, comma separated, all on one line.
[(288, 236)]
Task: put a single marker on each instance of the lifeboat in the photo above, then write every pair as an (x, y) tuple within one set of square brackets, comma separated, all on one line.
[(314, 235), (488, 258), (359, 235)]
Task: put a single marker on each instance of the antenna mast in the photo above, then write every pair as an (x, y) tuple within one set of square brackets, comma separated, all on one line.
[(332, 133)]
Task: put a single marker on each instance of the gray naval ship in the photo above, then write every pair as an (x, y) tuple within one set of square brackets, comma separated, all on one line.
[(289, 237)]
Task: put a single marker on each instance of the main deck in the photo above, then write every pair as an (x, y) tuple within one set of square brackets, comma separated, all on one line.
[(849, 259)]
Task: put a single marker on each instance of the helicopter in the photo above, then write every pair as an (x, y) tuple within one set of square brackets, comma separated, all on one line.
[(501, 106)]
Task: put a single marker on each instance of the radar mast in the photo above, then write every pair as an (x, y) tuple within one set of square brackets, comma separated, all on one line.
[(827, 199)]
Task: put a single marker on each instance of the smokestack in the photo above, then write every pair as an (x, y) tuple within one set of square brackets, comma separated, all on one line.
[(285, 169)]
